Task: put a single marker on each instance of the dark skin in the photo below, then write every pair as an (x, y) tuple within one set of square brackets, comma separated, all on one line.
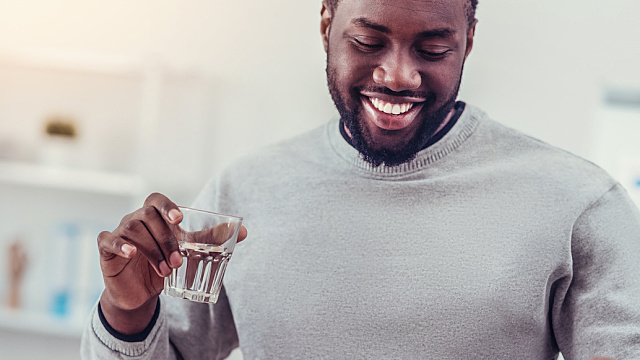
[(409, 53), (399, 52), (135, 258)]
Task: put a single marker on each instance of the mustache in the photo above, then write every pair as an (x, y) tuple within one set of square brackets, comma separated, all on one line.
[(403, 93)]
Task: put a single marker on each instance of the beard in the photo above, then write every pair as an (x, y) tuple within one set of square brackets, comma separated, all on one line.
[(361, 139)]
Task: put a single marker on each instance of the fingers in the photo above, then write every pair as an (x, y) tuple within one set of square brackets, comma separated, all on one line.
[(147, 230), (110, 245), (242, 234), (115, 252), (164, 236), (217, 235), (167, 208)]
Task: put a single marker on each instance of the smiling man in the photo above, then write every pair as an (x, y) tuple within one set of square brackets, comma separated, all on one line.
[(394, 71), (413, 227)]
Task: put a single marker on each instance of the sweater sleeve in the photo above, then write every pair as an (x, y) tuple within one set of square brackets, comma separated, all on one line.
[(599, 314), (183, 330), (99, 343)]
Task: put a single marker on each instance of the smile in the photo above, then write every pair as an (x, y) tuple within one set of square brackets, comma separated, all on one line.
[(388, 112), (390, 108)]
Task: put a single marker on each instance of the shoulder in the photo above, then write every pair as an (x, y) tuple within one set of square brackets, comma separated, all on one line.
[(263, 170), (282, 156), (530, 158)]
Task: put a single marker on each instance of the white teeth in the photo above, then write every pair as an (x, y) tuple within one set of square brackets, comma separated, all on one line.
[(389, 108)]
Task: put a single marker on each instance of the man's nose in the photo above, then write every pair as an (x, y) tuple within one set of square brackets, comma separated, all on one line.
[(398, 72)]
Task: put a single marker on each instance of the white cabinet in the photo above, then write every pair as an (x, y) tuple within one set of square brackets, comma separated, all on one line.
[(36, 201), (56, 214), (140, 129)]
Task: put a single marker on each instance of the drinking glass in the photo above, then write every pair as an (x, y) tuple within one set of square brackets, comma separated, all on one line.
[(206, 241)]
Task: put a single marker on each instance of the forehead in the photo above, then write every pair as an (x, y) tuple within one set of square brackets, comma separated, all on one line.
[(404, 13)]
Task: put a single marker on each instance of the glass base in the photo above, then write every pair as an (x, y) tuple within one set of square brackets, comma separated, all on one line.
[(191, 295)]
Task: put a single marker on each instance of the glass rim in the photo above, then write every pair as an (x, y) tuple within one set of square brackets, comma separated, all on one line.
[(209, 212)]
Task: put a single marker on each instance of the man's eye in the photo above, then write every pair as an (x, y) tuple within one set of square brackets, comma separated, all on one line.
[(367, 45), (434, 54)]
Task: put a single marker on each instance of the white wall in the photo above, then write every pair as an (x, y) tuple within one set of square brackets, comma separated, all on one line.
[(540, 65)]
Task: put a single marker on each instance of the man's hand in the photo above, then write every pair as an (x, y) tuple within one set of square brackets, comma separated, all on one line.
[(135, 258)]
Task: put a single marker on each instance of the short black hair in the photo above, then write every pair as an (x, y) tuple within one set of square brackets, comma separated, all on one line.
[(470, 8)]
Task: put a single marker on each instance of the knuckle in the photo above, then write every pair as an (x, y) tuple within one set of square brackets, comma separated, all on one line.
[(152, 197), (155, 255), (107, 244), (167, 206), (103, 240), (114, 245), (148, 211), (103, 236), (131, 227), (126, 218), (169, 243)]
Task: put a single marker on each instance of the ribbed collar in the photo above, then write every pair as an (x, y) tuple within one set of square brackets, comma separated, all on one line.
[(464, 127)]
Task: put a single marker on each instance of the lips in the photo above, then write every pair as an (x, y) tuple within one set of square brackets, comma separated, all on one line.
[(391, 112)]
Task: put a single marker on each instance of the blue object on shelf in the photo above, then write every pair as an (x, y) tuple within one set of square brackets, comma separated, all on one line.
[(64, 269), (60, 304)]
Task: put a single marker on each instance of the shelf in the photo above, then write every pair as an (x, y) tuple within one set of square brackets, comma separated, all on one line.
[(35, 323), (93, 181), (72, 61)]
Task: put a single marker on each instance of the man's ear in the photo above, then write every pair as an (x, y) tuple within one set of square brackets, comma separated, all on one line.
[(470, 35), (325, 24)]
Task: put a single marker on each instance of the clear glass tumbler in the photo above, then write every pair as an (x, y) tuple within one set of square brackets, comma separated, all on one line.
[(206, 241)]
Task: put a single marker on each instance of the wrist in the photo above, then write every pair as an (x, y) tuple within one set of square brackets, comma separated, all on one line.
[(128, 321)]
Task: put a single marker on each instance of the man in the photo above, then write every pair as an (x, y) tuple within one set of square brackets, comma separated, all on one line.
[(413, 228)]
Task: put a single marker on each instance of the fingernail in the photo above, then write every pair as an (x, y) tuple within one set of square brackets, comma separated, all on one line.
[(127, 249), (174, 214), (164, 268), (175, 259)]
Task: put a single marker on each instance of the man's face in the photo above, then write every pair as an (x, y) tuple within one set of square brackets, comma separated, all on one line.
[(394, 70)]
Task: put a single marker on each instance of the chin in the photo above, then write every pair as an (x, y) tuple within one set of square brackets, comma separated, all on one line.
[(394, 147)]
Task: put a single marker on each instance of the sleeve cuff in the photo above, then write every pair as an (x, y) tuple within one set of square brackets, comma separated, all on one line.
[(121, 346), (141, 336)]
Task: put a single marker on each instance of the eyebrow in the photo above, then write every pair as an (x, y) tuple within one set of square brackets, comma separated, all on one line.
[(362, 22), (433, 33)]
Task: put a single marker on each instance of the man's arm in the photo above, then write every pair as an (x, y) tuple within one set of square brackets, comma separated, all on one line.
[(129, 321), (598, 313)]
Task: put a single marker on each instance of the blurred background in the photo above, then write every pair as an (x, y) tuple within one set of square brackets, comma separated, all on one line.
[(103, 102)]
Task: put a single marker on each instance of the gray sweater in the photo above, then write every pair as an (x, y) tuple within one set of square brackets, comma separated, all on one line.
[(488, 245)]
